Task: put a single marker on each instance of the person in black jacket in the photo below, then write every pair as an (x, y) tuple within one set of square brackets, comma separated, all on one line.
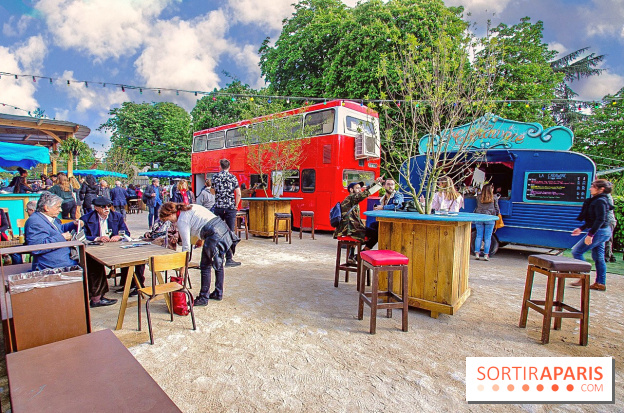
[(594, 214), (88, 192)]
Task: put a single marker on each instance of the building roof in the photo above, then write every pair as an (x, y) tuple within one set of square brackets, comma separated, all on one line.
[(27, 130)]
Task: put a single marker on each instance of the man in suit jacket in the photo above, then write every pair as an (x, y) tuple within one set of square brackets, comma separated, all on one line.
[(118, 196), (44, 227), (97, 223), (152, 199)]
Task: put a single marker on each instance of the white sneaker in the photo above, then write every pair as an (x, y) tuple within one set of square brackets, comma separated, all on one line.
[(486, 257), (476, 256)]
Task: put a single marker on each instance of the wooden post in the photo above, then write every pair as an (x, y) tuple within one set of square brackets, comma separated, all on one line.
[(70, 165), (54, 148)]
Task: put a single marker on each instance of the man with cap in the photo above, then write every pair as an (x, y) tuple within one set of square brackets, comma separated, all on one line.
[(351, 224), (104, 225)]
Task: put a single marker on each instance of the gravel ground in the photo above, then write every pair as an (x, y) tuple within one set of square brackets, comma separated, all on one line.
[(284, 339)]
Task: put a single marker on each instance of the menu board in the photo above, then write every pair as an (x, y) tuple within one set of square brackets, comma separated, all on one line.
[(556, 186)]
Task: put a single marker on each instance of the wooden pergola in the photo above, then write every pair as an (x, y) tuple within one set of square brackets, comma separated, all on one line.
[(49, 133)]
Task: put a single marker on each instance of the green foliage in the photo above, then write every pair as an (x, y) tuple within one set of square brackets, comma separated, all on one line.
[(618, 236), (120, 159), (525, 72), (602, 133), (329, 50), (212, 111), (83, 155), (153, 133)]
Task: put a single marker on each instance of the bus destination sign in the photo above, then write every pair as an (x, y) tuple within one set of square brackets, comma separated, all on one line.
[(559, 187)]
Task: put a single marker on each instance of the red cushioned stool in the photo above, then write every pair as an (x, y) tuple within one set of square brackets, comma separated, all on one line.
[(349, 243), (387, 261)]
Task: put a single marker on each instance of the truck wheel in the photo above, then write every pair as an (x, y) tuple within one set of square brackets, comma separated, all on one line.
[(494, 245)]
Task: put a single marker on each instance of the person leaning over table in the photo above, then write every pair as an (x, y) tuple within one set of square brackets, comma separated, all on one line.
[(197, 221), (44, 227), (351, 224), (97, 225)]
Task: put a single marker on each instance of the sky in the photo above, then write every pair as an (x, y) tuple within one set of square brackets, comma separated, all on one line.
[(200, 45)]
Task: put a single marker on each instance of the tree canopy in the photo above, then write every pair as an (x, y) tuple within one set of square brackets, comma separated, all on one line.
[(155, 133)]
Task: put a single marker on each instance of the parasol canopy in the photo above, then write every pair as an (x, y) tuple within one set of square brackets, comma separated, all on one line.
[(26, 156), (98, 173), (165, 174)]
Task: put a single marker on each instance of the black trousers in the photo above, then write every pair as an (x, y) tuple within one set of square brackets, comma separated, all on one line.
[(229, 216), (140, 272), (68, 210), (372, 235), (204, 268), (96, 274)]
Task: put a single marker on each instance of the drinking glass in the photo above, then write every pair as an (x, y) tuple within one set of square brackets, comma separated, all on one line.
[(122, 234), (109, 232)]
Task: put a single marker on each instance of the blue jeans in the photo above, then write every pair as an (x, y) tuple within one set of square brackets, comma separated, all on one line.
[(484, 233), (153, 214), (597, 248)]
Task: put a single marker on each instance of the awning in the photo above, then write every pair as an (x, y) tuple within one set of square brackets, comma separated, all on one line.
[(97, 173), (165, 174), (26, 156)]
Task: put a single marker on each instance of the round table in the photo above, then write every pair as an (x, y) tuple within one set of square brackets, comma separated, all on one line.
[(438, 247), (262, 212)]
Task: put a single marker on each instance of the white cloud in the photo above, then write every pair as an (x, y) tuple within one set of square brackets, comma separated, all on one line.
[(90, 98), (20, 24), (596, 87), (248, 58), (478, 7), (561, 49), (184, 54), (26, 57), (604, 18), (101, 28)]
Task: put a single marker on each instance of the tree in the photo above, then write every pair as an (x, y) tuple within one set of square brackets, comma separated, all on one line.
[(329, 50), (120, 159), (155, 133), (602, 133), (525, 73), (574, 67), (77, 152), (220, 109), (431, 98)]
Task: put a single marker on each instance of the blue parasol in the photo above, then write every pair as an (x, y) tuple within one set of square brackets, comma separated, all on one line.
[(97, 173), (26, 156), (165, 174)]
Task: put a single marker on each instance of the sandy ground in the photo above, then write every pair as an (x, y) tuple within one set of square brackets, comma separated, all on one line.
[(284, 339)]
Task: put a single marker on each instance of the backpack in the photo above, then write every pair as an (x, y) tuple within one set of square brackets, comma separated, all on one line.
[(335, 215)]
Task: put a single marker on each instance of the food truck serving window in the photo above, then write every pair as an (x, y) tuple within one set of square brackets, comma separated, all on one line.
[(556, 187)]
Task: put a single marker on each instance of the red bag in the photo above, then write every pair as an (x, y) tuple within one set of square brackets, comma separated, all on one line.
[(178, 299)]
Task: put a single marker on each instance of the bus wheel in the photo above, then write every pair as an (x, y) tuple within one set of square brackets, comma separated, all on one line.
[(494, 245)]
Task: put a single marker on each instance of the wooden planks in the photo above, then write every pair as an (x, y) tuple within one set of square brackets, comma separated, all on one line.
[(262, 214), (439, 254)]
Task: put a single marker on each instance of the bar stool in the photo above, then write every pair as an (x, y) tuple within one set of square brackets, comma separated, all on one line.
[(306, 214), (346, 266), (557, 268), (241, 224), (387, 261), (282, 217)]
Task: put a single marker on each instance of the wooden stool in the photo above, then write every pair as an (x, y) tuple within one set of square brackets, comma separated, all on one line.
[(349, 243), (133, 206), (241, 224), (383, 260), (282, 217), (306, 214), (557, 268)]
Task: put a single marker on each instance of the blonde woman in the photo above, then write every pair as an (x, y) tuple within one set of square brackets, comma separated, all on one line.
[(486, 204), (64, 190), (183, 195), (447, 198)]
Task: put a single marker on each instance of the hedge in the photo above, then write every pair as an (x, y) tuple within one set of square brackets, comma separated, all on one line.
[(618, 240)]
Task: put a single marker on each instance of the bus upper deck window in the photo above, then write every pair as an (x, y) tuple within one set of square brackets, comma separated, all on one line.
[(199, 143), (359, 126), (236, 137), (320, 123), (216, 140)]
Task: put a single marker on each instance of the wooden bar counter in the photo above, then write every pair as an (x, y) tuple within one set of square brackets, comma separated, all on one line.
[(438, 247), (261, 213)]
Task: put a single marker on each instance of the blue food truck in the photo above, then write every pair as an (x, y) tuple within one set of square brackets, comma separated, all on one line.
[(541, 184)]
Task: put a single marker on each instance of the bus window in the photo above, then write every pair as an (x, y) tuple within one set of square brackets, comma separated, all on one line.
[(308, 180), (199, 143), (255, 181), (360, 126), (258, 130), (320, 123), (295, 130), (235, 137), (216, 140), (350, 175), (291, 184)]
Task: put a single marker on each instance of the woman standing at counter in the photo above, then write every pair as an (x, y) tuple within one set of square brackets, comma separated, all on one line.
[(447, 198), (486, 204)]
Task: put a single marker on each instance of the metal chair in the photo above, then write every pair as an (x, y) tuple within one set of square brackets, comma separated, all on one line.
[(159, 264)]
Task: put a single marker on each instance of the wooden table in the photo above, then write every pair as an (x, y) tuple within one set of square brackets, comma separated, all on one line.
[(262, 213), (110, 254), (92, 372), (438, 247)]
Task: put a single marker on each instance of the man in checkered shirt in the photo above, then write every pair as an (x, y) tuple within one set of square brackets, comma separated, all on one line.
[(227, 198)]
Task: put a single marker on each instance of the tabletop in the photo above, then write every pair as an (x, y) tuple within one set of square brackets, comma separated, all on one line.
[(80, 374), (255, 198), (455, 217), (111, 254)]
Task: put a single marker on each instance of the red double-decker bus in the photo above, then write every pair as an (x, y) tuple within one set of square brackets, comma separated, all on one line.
[(345, 148)]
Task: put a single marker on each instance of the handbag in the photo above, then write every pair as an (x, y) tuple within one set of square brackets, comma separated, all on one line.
[(178, 299), (499, 224)]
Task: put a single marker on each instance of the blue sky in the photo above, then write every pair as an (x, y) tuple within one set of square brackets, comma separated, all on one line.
[(188, 44)]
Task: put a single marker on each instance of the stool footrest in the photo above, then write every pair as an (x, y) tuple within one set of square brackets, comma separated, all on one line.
[(571, 312)]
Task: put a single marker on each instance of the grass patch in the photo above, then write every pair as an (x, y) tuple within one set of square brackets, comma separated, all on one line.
[(612, 267)]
